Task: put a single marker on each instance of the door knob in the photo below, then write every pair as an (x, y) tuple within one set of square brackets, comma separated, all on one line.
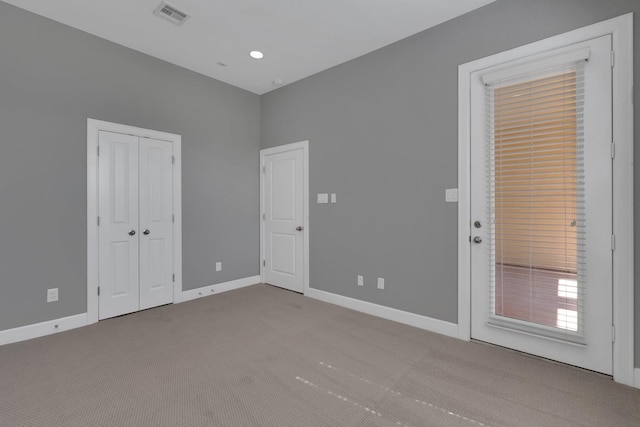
[(477, 239), (299, 228), (132, 232), (146, 232)]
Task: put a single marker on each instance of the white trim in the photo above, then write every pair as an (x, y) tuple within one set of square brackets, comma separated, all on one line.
[(218, 288), (623, 222), (41, 329), (177, 212), (93, 128), (636, 377), (427, 323), (304, 145), (623, 310), (464, 203)]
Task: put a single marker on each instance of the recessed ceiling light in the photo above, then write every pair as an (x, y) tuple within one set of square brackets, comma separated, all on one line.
[(256, 54)]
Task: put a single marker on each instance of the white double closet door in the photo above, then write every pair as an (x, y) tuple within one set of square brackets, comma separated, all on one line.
[(135, 223)]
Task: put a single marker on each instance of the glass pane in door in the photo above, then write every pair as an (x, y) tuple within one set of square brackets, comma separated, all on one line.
[(535, 180)]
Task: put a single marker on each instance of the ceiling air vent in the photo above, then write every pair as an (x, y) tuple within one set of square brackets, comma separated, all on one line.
[(170, 13)]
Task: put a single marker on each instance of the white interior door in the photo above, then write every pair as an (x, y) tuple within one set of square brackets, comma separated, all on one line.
[(135, 238), (581, 332), (118, 230), (283, 195), (156, 223)]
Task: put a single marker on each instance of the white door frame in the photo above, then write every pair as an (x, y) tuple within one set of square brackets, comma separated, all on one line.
[(93, 129), (621, 29), (304, 145)]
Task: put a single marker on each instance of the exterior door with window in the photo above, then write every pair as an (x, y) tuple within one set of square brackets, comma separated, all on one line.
[(541, 205)]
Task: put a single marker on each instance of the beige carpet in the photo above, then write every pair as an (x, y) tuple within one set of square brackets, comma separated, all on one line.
[(262, 356)]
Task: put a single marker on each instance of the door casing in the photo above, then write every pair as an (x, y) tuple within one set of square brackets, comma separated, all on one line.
[(304, 146), (621, 29), (93, 129)]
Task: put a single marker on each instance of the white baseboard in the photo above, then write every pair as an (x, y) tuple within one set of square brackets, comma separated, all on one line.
[(41, 329), (411, 319), (220, 287)]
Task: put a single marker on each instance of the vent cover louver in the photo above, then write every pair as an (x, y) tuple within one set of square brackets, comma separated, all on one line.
[(170, 13)]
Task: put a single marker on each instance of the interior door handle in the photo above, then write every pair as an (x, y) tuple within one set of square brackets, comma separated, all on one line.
[(146, 232), (132, 232), (299, 228), (477, 239)]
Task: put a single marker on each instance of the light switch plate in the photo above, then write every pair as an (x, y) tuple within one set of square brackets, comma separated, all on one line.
[(333, 197), (451, 195), (360, 281), (218, 266), (323, 198), (52, 295), (380, 283)]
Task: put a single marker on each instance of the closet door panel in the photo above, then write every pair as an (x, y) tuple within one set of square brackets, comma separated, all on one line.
[(118, 231), (156, 223)]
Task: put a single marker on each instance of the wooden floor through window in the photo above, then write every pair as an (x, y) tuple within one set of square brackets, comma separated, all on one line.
[(541, 296)]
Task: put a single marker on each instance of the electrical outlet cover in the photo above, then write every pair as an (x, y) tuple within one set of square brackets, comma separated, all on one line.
[(52, 295), (451, 195)]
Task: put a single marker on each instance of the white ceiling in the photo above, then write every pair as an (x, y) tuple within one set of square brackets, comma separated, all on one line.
[(298, 37)]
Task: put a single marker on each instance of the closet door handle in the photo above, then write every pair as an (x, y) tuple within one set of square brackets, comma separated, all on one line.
[(132, 232), (146, 232)]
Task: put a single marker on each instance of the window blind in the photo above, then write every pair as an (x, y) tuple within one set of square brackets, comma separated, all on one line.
[(535, 169)]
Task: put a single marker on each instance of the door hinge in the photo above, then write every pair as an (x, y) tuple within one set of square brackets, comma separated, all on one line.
[(98, 153), (98, 220), (264, 263), (264, 169), (173, 160), (613, 150), (613, 333), (173, 277), (173, 217), (98, 290), (264, 216), (613, 58), (613, 242)]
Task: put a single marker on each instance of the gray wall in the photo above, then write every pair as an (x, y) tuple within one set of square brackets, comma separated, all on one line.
[(52, 78), (383, 136)]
